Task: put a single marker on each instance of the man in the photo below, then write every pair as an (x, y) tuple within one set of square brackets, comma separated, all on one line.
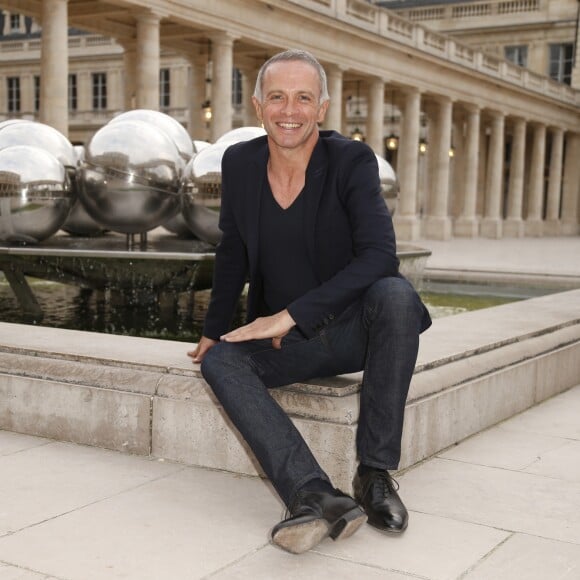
[(303, 217)]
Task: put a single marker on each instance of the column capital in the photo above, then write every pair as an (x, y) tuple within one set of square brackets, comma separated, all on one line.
[(148, 16), (223, 38), (471, 107)]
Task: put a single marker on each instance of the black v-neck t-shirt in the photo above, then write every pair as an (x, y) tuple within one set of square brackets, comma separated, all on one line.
[(286, 269)]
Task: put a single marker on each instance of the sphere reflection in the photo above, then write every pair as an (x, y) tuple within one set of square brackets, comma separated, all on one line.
[(201, 188), (389, 184), (130, 179), (39, 135), (173, 128), (35, 196)]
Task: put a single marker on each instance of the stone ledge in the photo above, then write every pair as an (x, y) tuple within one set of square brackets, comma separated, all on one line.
[(144, 396)]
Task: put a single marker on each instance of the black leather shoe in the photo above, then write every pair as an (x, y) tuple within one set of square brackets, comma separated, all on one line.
[(315, 515), (376, 491)]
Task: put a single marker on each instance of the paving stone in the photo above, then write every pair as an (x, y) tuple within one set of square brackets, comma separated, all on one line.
[(495, 497), (183, 526), (432, 547), (530, 558)]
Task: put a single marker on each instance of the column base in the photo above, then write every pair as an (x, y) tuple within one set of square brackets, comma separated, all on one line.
[(570, 228), (513, 228), (491, 228), (437, 228), (534, 228), (407, 228), (552, 227), (464, 227)]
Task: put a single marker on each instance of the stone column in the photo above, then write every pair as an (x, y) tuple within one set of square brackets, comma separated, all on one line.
[(221, 87), (406, 220), (129, 76), (467, 224), (514, 225), (84, 92), (148, 60), (491, 225), (376, 116), (249, 76), (115, 90), (438, 222), (552, 223), (534, 224), (575, 81), (54, 65), (27, 95), (197, 127), (334, 114), (571, 186)]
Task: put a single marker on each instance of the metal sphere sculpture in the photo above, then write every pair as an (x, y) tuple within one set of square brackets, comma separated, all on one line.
[(79, 222), (42, 136), (35, 196), (172, 127), (389, 184), (201, 188), (130, 178)]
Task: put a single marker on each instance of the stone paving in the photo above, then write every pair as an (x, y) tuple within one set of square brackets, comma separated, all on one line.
[(502, 505)]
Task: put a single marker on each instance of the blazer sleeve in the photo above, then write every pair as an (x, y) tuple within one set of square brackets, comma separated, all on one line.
[(373, 244), (231, 262)]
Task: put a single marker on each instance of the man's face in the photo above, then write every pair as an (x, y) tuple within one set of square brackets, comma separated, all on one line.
[(290, 109)]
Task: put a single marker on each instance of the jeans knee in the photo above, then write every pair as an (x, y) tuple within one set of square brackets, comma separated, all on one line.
[(393, 297), (221, 360)]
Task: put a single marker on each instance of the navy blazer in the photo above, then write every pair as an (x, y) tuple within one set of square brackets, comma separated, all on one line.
[(348, 229)]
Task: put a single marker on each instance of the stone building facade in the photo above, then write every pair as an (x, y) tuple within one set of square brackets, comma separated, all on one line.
[(482, 146)]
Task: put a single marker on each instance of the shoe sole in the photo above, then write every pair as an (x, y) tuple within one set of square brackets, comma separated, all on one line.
[(389, 531), (348, 524), (300, 538)]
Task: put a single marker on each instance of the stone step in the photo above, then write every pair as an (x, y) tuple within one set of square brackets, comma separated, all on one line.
[(144, 396)]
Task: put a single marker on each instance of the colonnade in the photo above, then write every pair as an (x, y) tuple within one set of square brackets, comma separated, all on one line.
[(493, 186)]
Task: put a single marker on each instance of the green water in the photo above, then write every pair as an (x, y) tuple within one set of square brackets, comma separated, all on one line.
[(66, 306)]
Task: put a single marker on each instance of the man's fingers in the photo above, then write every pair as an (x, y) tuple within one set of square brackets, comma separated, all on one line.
[(277, 342)]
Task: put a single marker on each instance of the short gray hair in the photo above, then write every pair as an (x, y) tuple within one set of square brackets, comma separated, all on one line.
[(293, 54)]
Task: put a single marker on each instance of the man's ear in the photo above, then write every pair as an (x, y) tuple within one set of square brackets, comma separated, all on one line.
[(258, 107), (322, 111)]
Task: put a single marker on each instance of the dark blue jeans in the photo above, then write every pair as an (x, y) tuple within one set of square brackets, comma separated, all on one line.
[(379, 334)]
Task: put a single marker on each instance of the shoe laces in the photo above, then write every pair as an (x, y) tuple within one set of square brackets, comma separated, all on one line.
[(389, 483)]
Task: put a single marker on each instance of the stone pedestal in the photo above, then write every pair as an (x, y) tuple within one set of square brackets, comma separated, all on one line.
[(534, 227), (437, 228), (407, 228), (465, 227), (513, 228), (491, 228)]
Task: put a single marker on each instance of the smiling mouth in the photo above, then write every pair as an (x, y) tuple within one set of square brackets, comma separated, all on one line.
[(289, 125)]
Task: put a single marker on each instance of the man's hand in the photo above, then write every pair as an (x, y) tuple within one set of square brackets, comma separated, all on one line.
[(203, 346), (275, 327)]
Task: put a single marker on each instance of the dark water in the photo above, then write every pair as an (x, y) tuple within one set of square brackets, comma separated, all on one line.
[(180, 318)]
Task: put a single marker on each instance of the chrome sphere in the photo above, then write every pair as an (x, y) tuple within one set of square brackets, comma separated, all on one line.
[(174, 129), (201, 188), (35, 196), (389, 184), (39, 135), (242, 134), (10, 122), (79, 222), (176, 225), (199, 145), (130, 179)]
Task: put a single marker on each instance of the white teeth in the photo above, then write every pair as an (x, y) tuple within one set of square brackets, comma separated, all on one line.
[(289, 125)]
